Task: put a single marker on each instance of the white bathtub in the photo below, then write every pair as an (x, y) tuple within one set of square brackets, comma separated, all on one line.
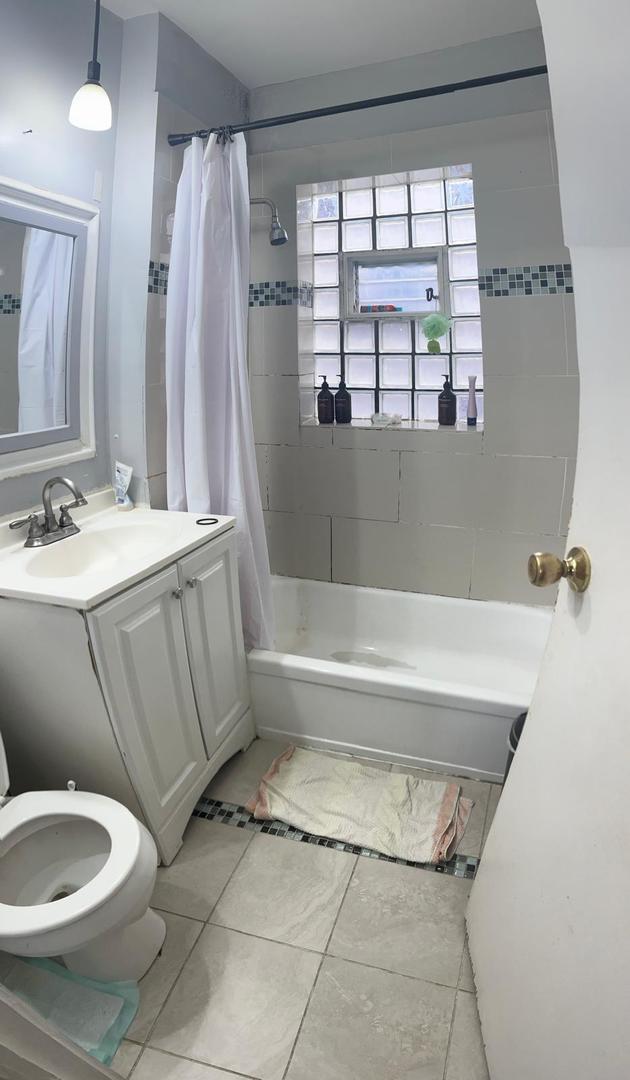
[(422, 680)]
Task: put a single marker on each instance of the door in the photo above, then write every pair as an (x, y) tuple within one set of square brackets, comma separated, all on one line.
[(140, 647), (549, 914), (212, 619)]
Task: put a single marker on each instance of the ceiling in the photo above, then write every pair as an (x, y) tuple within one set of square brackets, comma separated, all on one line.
[(271, 41)]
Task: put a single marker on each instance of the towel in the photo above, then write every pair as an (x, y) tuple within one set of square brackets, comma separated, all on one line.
[(92, 1014), (396, 814)]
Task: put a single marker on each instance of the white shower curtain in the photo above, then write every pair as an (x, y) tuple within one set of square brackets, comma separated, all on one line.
[(211, 460), (43, 333)]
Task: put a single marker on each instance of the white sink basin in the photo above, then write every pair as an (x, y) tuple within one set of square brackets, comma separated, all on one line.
[(112, 551), (100, 549)]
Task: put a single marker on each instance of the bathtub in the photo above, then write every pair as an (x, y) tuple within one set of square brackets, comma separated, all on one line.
[(420, 680)]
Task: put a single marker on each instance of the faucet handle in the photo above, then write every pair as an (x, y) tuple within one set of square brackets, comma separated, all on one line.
[(35, 527), (64, 515)]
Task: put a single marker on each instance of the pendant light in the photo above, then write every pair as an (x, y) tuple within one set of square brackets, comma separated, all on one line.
[(91, 108)]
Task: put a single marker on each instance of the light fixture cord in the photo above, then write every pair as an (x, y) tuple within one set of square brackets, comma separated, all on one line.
[(97, 20)]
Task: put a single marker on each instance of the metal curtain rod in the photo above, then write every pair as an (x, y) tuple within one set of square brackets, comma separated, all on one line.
[(367, 103)]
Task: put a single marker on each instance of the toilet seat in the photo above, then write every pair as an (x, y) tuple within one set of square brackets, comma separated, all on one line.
[(26, 814)]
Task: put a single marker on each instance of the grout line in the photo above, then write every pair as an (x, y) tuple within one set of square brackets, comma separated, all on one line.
[(391, 971), (450, 1036), (175, 982), (236, 866), (301, 1023), (196, 1061), (343, 898)]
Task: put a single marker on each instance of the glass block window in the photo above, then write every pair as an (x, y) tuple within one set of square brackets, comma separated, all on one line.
[(386, 251)]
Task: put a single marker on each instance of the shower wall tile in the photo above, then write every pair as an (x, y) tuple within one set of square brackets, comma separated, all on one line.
[(500, 567), (279, 345), (520, 226), (299, 545), (319, 480), (531, 415), (157, 492), (482, 491), (156, 429), (419, 558), (438, 440), (262, 465), (275, 407), (567, 496), (524, 337), (256, 341)]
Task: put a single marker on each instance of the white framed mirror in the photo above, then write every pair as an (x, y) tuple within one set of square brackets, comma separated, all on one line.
[(48, 255)]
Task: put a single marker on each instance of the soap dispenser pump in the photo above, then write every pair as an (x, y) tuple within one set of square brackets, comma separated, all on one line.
[(447, 405), (343, 404), (325, 403)]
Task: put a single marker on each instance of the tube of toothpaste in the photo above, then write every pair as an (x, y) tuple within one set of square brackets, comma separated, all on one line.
[(122, 480)]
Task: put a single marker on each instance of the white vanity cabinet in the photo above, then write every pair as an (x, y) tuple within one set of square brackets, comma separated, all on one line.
[(162, 695)]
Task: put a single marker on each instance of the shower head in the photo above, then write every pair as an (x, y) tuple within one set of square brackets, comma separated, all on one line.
[(277, 235)]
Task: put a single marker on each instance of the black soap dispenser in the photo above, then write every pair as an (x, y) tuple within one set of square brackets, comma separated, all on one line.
[(325, 404), (447, 405), (343, 404)]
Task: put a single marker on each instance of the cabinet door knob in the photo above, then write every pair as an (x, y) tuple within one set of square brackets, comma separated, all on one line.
[(192, 582), (178, 592)]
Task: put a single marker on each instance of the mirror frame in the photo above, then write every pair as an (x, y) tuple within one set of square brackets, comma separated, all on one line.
[(29, 450)]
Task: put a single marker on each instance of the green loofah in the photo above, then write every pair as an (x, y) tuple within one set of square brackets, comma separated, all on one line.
[(433, 346), (435, 326)]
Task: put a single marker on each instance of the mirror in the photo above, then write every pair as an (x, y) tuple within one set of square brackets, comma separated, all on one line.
[(35, 295), (48, 273)]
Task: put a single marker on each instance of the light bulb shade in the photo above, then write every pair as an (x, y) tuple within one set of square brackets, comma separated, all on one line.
[(91, 108)]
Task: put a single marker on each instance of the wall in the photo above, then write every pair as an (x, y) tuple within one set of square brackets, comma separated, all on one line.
[(438, 511), (44, 49), (548, 916)]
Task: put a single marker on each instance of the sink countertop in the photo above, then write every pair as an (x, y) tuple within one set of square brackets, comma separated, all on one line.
[(115, 549)]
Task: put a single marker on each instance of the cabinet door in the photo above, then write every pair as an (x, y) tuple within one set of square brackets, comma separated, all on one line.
[(212, 617), (140, 648)]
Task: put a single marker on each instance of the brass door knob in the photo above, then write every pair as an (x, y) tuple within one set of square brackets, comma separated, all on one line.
[(543, 568)]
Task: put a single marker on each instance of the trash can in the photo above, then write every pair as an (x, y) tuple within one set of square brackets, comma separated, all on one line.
[(513, 739)]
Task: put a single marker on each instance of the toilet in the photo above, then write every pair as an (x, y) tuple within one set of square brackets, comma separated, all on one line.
[(77, 871)]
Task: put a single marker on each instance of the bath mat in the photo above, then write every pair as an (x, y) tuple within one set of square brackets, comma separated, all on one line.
[(394, 813), (94, 1015)]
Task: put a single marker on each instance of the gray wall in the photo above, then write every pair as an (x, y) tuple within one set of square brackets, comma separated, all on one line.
[(44, 49), (436, 511), (479, 58), (11, 248)]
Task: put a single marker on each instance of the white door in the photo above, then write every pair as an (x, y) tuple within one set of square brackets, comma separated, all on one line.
[(549, 918), (212, 619), (140, 647)]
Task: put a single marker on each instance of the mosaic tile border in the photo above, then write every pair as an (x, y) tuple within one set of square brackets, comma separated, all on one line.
[(158, 277), (462, 866), (280, 294), (261, 293), (545, 279), (10, 304)]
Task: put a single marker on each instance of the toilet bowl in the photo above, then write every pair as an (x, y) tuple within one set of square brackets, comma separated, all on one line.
[(77, 871)]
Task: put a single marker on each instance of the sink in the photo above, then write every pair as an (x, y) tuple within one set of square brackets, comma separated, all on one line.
[(99, 549), (112, 551)]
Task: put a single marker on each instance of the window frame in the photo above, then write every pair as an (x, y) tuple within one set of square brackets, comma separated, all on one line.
[(350, 259)]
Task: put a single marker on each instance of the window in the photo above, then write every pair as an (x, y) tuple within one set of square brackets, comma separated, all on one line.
[(387, 251)]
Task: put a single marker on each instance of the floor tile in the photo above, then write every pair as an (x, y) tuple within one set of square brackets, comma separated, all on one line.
[(125, 1058), (493, 802), (466, 978), (363, 1023), (181, 935), (238, 1004), (193, 882), (154, 1065), (477, 790), (404, 920), (237, 781), (466, 1057), (286, 891)]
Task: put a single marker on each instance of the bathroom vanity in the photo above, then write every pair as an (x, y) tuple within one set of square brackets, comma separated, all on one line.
[(122, 665)]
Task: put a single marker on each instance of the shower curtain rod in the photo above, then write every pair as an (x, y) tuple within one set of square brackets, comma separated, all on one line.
[(354, 106)]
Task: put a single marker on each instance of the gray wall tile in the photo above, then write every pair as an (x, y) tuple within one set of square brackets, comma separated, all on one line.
[(500, 567), (299, 545), (420, 558), (275, 408), (531, 415)]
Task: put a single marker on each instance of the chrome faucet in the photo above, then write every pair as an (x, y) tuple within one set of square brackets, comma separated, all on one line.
[(48, 531)]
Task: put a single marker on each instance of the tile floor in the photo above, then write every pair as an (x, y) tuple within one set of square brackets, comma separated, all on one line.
[(286, 960)]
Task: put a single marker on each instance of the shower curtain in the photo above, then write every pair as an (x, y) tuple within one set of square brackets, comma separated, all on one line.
[(211, 460), (43, 333)]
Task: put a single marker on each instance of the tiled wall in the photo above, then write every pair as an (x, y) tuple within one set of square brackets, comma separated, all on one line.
[(452, 512)]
